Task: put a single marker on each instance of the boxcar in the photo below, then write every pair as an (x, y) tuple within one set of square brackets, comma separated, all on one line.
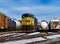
[(6, 24), (3, 22)]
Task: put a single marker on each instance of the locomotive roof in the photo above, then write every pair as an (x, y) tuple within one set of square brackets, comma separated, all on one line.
[(27, 15)]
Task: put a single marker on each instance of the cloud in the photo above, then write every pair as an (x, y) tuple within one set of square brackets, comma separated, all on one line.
[(38, 9), (15, 8), (41, 12)]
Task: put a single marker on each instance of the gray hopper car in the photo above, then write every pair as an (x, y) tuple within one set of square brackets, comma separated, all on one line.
[(11, 25)]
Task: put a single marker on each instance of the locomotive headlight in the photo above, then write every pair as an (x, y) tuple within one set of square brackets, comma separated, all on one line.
[(44, 24)]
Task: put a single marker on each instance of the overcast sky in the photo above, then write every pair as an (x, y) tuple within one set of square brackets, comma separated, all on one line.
[(42, 9)]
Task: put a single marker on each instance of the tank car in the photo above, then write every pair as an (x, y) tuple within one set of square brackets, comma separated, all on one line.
[(54, 24), (18, 24), (44, 25), (29, 23)]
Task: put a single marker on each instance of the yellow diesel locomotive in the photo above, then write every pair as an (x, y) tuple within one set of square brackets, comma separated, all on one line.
[(29, 23)]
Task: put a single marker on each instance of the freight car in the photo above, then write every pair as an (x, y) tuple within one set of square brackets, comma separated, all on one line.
[(54, 25), (6, 23), (11, 25), (3, 22), (44, 26), (29, 23), (18, 24)]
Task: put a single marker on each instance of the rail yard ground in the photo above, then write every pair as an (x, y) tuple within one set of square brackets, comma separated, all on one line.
[(29, 38)]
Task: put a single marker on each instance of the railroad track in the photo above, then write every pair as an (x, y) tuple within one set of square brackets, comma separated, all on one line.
[(15, 36), (5, 37), (37, 40)]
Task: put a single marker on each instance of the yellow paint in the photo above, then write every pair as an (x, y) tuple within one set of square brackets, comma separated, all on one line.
[(28, 21)]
